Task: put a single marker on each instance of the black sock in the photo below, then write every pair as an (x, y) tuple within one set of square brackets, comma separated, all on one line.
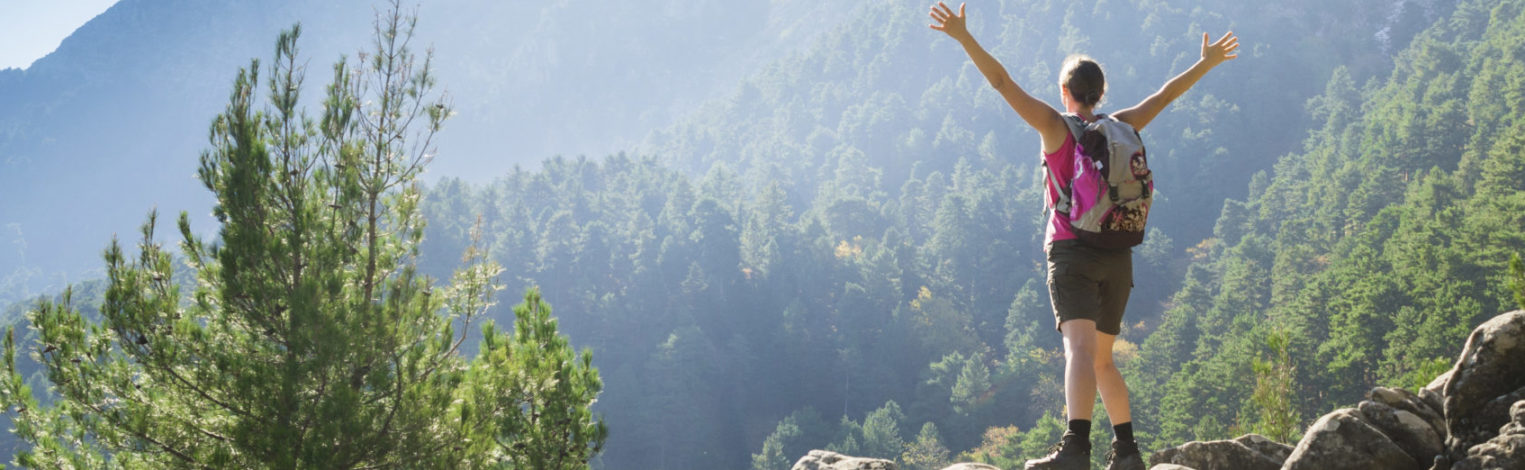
[(1124, 432), (1082, 428)]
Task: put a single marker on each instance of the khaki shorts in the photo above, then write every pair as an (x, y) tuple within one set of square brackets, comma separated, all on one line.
[(1089, 283)]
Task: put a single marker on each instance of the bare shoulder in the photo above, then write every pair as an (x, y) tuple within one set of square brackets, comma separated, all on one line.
[(1052, 130), (1133, 117)]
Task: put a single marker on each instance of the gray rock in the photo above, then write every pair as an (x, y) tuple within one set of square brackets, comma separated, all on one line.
[(1441, 463), (971, 466), (1170, 466), (1499, 409), (1490, 366), (1343, 440), (1265, 446), (828, 460), (1431, 394), (1516, 419), (1409, 431), (1408, 401), (1506, 452), (1216, 455)]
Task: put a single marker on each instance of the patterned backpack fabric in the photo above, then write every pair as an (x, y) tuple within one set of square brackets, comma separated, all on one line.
[(1107, 202)]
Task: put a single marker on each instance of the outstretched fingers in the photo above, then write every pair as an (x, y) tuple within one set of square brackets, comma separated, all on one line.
[(941, 14), (1223, 48), (1227, 38), (941, 11), (1228, 42)]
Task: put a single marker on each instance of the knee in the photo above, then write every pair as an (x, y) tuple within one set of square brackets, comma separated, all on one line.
[(1082, 356), (1103, 363)]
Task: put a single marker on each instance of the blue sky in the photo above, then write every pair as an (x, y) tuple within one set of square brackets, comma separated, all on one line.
[(30, 29)]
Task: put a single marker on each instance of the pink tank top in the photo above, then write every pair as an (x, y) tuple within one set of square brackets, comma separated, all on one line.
[(1061, 163)]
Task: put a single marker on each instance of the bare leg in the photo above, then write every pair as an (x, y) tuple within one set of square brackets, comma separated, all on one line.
[(1080, 343), (1074, 449), (1114, 393)]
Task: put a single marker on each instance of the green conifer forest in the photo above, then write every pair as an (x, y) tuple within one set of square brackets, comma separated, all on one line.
[(841, 250)]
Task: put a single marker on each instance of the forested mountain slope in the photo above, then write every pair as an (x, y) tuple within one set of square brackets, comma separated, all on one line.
[(1374, 249), (888, 88), (853, 239)]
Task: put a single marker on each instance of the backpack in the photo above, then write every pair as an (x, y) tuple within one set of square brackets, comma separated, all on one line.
[(1107, 203)]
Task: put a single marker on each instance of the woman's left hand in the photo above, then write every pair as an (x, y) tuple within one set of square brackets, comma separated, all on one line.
[(948, 22), (1220, 51)]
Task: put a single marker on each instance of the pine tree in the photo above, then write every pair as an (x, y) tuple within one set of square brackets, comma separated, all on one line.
[(973, 384), (309, 340), (881, 432), (927, 452), (1275, 415), (1517, 279)]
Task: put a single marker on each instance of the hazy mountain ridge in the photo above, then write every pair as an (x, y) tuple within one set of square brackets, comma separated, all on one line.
[(110, 125)]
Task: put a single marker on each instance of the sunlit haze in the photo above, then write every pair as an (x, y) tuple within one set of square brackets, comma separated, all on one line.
[(30, 29)]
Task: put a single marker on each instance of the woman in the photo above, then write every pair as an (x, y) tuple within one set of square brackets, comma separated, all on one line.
[(1088, 286)]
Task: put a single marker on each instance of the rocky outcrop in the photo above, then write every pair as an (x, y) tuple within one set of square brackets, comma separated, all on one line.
[(1345, 439), (1411, 433), (972, 466), (1414, 405), (828, 460), (1248, 452), (1469, 418), (1488, 378), (1507, 450), (1265, 446)]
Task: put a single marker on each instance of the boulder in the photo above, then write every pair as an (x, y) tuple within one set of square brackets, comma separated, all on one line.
[(1506, 451), (1170, 466), (1516, 419), (1432, 393), (1345, 440), (1224, 455), (1490, 367), (1412, 403), (971, 466), (1265, 446), (1498, 409), (828, 460), (1409, 431)]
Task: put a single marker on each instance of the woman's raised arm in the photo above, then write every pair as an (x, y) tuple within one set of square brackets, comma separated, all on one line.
[(1042, 117), (1218, 52)]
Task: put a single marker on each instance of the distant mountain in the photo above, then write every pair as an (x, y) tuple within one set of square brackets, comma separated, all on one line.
[(110, 125)]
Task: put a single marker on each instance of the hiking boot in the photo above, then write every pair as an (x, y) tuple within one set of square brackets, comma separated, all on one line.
[(1072, 453), (1125, 456)]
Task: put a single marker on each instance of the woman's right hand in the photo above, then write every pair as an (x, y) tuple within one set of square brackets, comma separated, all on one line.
[(947, 22)]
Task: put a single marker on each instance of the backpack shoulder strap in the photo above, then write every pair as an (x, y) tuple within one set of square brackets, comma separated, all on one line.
[(1077, 127), (1063, 190), (1076, 124)]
